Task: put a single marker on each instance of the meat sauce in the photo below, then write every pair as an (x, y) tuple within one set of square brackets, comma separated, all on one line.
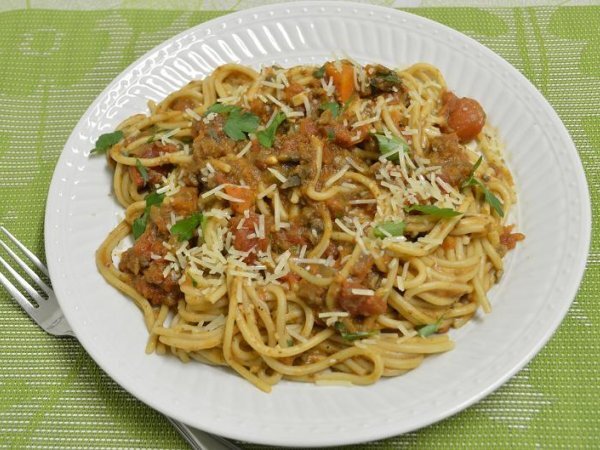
[(292, 155)]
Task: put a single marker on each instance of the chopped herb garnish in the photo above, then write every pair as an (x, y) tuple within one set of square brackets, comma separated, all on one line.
[(220, 108), (266, 137), (106, 141), (334, 107), (471, 181), (339, 326), (391, 147), (430, 329), (330, 135), (238, 122), (432, 210), (139, 224), (142, 170), (320, 72), (194, 282), (490, 198), (290, 342), (387, 229), (184, 228)]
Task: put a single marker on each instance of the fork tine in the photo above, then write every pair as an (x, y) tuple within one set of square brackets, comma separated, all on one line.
[(30, 290), (34, 259), (16, 294), (34, 276)]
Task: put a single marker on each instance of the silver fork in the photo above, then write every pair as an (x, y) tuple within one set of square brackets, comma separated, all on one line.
[(49, 317)]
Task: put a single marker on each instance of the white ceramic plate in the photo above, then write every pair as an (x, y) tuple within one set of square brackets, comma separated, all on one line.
[(541, 280)]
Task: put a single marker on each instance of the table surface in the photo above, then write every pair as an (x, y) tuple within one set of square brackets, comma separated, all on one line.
[(58, 56)]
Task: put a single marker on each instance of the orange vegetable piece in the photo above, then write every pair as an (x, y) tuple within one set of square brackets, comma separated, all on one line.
[(245, 194), (343, 81)]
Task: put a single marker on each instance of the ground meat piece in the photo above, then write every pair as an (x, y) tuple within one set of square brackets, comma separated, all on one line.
[(447, 152), (147, 272), (211, 141), (138, 257), (293, 147), (359, 305), (286, 238), (312, 295), (183, 103), (362, 268), (185, 202)]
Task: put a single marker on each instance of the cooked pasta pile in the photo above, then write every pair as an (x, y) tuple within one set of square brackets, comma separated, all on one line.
[(325, 224)]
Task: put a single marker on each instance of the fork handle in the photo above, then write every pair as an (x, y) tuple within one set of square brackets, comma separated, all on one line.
[(200, 440)]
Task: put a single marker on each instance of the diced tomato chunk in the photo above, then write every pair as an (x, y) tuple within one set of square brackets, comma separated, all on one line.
[(509, 239), (244, 237), (359, 305)]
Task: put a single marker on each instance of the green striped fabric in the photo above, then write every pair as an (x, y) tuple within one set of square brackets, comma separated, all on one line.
[(54, 63)]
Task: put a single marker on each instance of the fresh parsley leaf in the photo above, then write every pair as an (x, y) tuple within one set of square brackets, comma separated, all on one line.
[(334, 107), (471, 181), (490, 198), (154, 199), (290, 342), (239, 123), (184, 228), (220, 108), (330, 135), (391, 147), (339, 326), (430, 329), (142, 170), (139, 224), (194, 282), (432, 210), (320, 72), (106, 141), (391, 228), (267, 136)]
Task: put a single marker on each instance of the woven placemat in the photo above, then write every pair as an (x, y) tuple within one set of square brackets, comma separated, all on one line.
[(54, 63)]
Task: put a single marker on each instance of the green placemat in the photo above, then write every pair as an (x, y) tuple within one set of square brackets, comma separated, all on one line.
[(54, 63)]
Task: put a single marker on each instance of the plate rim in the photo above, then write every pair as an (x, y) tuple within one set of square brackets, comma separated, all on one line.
[(585, 226)]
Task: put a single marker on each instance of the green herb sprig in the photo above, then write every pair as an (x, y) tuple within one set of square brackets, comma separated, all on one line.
[(341, 328), (490, 198), (432, 210), (266, 137), (391, 147), (184, 228), (238, 122), (106, 141), (334, 107), (139, 224), (142, 170), (386, 229), (430, 329)]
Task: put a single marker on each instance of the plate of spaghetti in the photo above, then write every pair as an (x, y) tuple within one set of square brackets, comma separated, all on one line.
[(309, 236)]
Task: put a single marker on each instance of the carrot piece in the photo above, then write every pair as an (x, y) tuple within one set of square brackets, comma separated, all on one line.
[(245, 194), (343, 81)]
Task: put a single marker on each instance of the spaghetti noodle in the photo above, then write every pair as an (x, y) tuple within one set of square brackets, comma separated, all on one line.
[(316, 224)]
